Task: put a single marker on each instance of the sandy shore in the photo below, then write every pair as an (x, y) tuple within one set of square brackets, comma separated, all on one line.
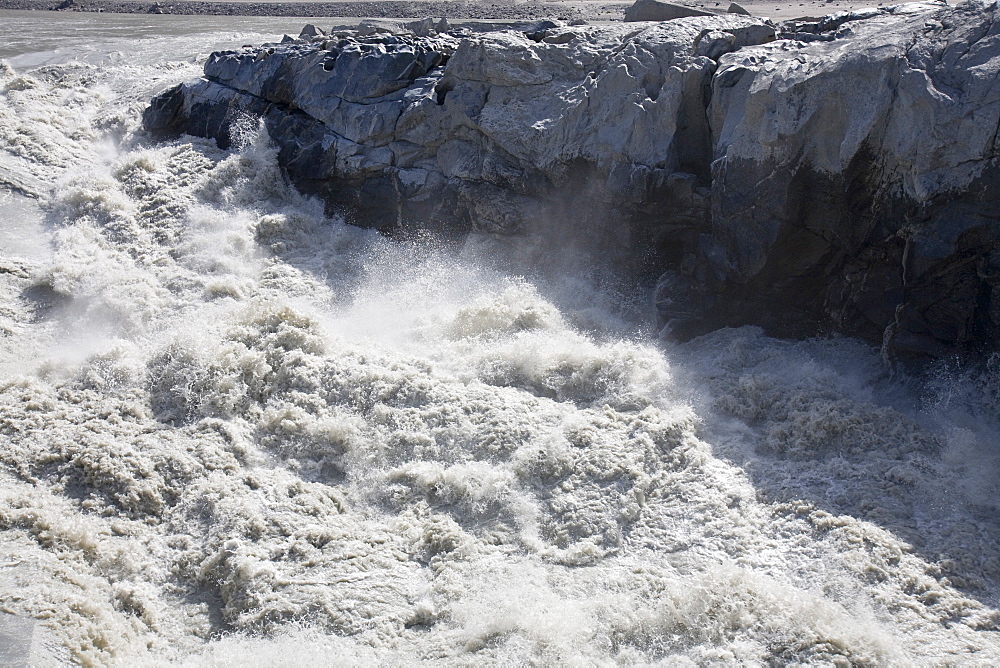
[(591, 11)]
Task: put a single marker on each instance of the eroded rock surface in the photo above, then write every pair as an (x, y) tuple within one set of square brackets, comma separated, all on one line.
[(857, 173), (839, 178), (503, 131)]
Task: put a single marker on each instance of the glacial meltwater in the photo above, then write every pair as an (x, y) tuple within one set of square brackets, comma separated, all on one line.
[(236, 431)]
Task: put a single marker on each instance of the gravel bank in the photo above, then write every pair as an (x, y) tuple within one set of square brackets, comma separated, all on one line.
[(591, 11)]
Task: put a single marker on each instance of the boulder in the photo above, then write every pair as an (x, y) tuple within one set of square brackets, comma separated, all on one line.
[(714, 43), (422, 28), (737, 9), (310, 32), (657, 10), (384, 26)]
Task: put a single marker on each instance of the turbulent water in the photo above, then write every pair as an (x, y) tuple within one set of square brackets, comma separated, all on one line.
[(236, 431)]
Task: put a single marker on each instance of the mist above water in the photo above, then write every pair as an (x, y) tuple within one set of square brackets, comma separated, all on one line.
[(239, 430)]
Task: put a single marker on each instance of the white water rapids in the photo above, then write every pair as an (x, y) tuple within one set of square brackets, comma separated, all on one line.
[(234, 431)]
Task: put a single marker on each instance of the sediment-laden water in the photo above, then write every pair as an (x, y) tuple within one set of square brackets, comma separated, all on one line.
[(234, 430)]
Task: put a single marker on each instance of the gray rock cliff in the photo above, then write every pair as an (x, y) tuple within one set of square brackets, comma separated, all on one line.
[(859, 170), (841, 177)]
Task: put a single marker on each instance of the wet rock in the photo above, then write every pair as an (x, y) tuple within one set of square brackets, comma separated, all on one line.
[(164, 115)]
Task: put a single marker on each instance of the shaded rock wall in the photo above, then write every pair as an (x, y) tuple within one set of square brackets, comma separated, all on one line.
[(861, 167), (839, 178)]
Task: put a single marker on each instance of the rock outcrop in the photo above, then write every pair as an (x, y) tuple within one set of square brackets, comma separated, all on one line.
[(507, 131), (657, 10), (840, 178), (857, 172)]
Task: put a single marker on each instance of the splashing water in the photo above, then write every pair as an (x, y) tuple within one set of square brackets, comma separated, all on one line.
[(236, 430)]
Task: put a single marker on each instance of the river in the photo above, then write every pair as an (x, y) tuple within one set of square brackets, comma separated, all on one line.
[(238, 431)]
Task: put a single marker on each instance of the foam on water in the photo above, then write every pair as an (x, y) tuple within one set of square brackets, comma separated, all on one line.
[(236, 430)]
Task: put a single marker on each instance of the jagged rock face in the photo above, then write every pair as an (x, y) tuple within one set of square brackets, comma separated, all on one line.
[(572, 126), (841, 178), (854, 176)]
